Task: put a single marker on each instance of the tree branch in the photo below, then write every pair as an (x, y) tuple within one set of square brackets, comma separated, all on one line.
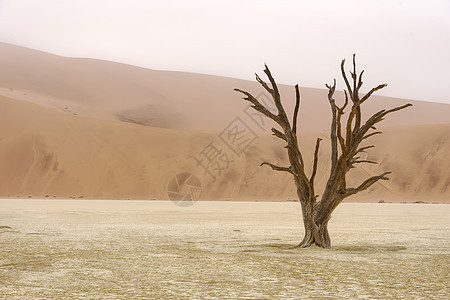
[(379, 87), (346, 79), (316, 160), (297, 106), (277, 99), (365, 161), (258, 106), (397, 108), (272, 81), (279, 134), (371, 134), (297, 165), (354, 78), (339, 123), (360, 82), (264, 84), (277, 168), (348, 130), (366, 184), (334, 124), (363, 149), (376, 118)]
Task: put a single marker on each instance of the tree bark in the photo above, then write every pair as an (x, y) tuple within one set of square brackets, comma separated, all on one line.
[(316, 228)]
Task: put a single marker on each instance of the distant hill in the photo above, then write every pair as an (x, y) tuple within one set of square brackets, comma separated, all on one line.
[(86, 128), (108, 90)]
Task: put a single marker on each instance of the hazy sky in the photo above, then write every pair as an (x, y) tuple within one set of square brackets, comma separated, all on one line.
[(404, 43)]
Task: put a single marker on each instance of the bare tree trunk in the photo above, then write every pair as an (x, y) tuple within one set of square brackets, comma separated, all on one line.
[(316, 231), (323, 235), (309, 224)]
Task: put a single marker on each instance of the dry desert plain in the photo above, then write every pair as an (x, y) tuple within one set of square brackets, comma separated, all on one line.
[(89, 129), (103, 249)]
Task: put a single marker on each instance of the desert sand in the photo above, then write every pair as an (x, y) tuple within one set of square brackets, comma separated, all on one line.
[(84, 128)]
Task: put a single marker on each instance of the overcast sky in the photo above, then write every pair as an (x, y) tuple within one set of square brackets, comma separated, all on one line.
[(404, 43)]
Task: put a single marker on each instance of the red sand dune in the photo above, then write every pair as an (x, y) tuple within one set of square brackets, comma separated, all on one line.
[(96, 129)]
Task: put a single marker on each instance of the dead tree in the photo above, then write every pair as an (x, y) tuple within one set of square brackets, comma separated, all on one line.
[(346, 137)]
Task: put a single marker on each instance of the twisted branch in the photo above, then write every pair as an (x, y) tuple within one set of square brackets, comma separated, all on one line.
[(277, 168), (366, 184)]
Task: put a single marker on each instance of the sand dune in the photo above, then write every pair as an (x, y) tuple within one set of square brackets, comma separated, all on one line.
[(178, 100), (74, 128), (49, 154)]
